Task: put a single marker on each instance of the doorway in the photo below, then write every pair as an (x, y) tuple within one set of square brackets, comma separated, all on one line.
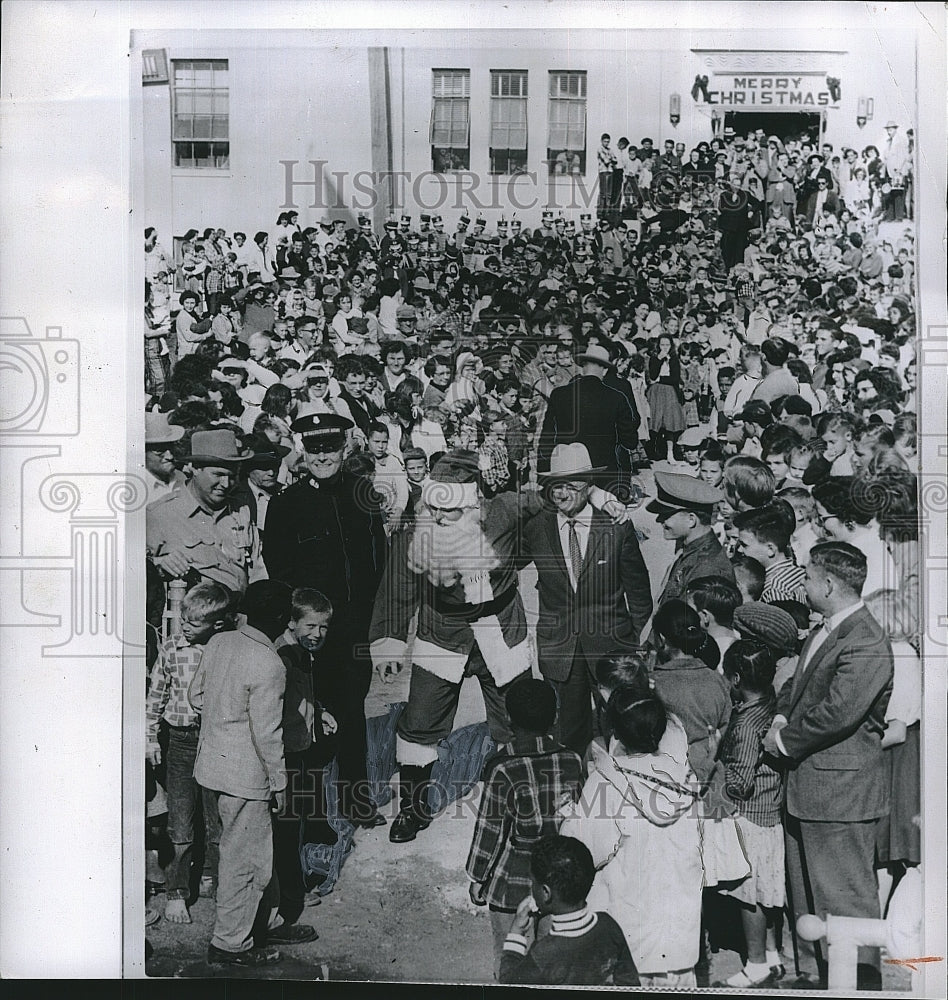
[(783, 124)]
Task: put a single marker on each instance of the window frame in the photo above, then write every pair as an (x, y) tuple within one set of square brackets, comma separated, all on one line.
[(560, 99), (512, 157), (451, 92), (200, 101)]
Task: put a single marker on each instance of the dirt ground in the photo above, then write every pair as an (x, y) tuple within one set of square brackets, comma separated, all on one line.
[(401, 913)]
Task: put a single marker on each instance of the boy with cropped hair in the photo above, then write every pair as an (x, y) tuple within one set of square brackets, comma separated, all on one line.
[(307, 746), (205, 611), (748, 483), (582, 948), (764, 534), (715, 598)]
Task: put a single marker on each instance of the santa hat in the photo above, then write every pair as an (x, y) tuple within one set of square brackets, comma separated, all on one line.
[(452, 483)]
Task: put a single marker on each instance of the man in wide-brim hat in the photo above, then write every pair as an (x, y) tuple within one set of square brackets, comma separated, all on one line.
[(594, 590), (160, 435), (202, 531)]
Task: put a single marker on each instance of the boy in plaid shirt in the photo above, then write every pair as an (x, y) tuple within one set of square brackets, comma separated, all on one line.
[(522, 793), (204, 612)]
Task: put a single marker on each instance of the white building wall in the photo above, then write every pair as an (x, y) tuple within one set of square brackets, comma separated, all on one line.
[(311, 101), (285, 104)]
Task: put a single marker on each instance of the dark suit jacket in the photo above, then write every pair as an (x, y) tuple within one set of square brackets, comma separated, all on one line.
[(836, 716), (831, 205), (596, 415), (612, 604)]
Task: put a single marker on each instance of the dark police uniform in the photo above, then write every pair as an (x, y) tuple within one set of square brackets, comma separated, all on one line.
[(329, 535)]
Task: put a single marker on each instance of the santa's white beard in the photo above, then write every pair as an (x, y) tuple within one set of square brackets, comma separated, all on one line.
[(455, 552)]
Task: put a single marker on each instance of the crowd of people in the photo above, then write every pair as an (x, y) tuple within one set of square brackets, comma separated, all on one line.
[(357, 443)]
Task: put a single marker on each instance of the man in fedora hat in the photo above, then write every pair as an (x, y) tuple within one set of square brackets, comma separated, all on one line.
[(457, 567), (588, 411), (326, 531), (163, 476), (202, 531), (262, 472), (595, 595)]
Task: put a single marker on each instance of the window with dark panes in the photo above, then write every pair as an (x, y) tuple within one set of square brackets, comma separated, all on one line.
[(566, 139), (508, 121), (450, 132), (200, 114)]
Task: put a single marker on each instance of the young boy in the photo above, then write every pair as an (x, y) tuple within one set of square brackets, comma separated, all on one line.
[(205, 611), (582, 948), (305, 726), (748, 482), (690, 448), (837, 432), (776, 456), (521, 796), (389, 478), (764, 535), (715, 598), (749, 576), (711, 464), (805, 535), (416, 471), (239, 691)]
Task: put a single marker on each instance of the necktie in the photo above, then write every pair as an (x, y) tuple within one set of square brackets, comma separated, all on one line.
[(575, 556)]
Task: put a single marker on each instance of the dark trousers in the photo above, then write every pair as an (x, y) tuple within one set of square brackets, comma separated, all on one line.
[(343, 677), (830, 868), (574, 717), (187, 801), (433, 702), (733, 245), (303, 820)]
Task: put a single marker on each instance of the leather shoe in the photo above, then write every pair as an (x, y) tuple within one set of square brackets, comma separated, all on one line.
[(292, 934), (406, 827), (251, 957), (370, 822)]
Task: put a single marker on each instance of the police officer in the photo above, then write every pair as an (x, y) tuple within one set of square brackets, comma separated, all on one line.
[(326, 532), (684, 508)]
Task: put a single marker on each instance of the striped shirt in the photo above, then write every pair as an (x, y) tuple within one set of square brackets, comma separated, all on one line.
[(518, 806), (784, 582), (582, 949), (171, 677), (748, 779)]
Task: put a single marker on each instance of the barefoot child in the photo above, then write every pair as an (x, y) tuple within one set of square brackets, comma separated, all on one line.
[(204, 612)]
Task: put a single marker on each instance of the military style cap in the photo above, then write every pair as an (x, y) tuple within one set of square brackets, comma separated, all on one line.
[(681, 492), (320, 427)]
